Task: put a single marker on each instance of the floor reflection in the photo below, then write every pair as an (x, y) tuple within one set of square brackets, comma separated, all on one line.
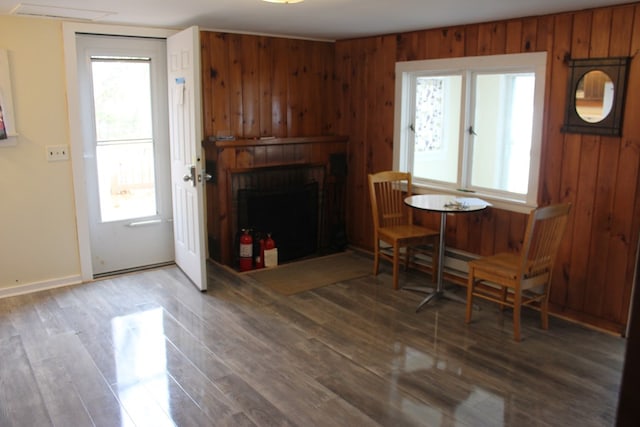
[(141, 368), (435, 374)]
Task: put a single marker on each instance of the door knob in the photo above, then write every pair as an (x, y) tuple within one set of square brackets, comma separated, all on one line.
[(187, 177)]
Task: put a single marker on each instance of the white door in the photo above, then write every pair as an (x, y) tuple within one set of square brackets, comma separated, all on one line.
[(126, 151), (187, 159)]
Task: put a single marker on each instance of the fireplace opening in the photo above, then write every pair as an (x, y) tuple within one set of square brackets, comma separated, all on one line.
[(286, 202), (289, 214)]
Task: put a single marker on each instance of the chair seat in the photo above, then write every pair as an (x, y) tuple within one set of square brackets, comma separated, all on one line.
[(406, 232), (504, 265)]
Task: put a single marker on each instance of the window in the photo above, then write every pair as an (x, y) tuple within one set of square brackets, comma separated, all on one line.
[(472, 124)]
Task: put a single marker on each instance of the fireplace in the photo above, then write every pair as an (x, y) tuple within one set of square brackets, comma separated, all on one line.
[(253, 178), (286, 202)]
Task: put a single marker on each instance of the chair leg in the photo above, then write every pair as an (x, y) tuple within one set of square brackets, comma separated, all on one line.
[(376, 255), (396, 262), (504, 297), (407, 257), (544, 309), (470, 284), (517, 305)]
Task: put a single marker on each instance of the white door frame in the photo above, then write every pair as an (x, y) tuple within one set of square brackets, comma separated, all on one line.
[(69, 31)]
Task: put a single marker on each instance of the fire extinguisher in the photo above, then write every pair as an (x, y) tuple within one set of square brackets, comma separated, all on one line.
[(259, 256), (270, 260), (246, 250), (269, 243)]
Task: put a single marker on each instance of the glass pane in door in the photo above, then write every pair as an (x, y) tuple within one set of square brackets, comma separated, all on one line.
[(124, 138)]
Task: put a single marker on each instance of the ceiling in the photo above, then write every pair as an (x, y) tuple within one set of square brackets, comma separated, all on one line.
[(315, 19)]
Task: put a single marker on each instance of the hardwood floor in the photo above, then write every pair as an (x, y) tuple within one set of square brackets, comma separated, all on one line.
[(148, 349)]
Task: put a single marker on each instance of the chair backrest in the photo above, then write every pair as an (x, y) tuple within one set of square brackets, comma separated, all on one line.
[(387, 191), (542, 239)]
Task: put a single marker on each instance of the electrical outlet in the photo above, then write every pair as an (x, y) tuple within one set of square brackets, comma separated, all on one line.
[(56, 153)]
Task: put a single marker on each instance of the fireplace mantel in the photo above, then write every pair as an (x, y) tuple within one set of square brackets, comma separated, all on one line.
[(225, 158)]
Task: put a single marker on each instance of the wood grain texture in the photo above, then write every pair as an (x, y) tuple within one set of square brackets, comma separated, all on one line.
[(150, 349), (598, 175), (261, 86)]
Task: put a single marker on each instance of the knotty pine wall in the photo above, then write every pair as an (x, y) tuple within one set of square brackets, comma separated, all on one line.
[(599, 175), (261, 86), (256, 86)]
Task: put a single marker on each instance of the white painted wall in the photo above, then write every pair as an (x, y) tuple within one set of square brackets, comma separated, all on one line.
[(38, 238)]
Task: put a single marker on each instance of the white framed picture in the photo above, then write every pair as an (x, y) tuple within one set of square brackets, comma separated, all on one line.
[(8, 132)]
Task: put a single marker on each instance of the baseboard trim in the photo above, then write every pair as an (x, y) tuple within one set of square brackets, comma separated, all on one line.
[(29, 288)]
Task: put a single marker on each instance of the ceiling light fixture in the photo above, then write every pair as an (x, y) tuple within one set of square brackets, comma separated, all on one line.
[(284, 1)]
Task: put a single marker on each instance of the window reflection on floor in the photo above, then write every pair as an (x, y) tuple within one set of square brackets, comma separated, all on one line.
[(430, 373), (141, 367)]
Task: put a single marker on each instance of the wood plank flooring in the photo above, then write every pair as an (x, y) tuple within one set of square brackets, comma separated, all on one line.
[(148, 349)]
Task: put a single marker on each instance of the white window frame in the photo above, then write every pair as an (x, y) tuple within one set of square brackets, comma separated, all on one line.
[(467, 67)]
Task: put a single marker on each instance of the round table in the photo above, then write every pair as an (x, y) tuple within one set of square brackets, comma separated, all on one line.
[(443, 204)]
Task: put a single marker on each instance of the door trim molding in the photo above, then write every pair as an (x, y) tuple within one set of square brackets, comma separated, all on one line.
[(69, 32)]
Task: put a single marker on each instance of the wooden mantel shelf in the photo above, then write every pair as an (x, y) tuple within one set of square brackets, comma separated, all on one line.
[(239, 143)]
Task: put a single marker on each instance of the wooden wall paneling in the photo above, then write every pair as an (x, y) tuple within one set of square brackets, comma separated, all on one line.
[(380, 105), (326, 89), (476, 229), (622, 31), (265, 73), (452, 42), (471, 40), (563, 285), (601, 225), (517, 227), (226, 157), (600, 33), (207, 86), (529, 37), (488, 232), (513, 34), (359, 190), (502, 231), (625, 225), (492, 38), (293, 84), (306, 74), (250, 72), (280, 88), (221, 89), (604, 172), (583, 221), (432, 40), (408, 48), (557, 172), (581, 34), (555, 99), (317, 87), (235, 63), (585, 191)]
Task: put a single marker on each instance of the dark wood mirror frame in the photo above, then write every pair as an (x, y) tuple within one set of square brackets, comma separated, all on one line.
[(611, 124)]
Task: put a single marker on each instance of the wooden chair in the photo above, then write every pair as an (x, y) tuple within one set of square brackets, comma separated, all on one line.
[(525, 278), (393, 222)]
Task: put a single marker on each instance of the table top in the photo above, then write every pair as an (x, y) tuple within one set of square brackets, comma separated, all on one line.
[(446, 203)]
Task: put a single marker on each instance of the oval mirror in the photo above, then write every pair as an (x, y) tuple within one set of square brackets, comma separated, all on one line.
[(594, 96)]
